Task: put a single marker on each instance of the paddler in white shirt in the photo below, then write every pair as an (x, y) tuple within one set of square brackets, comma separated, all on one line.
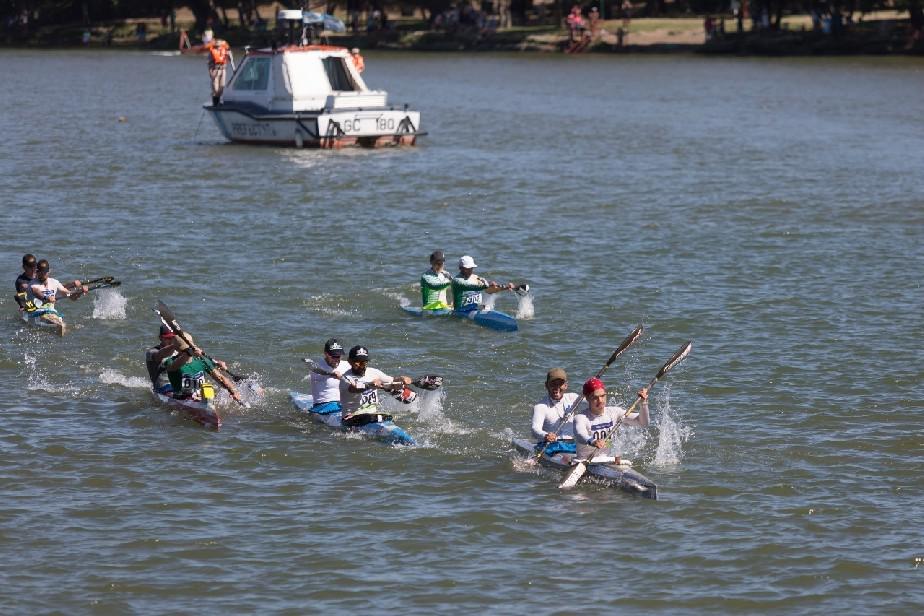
[(359, 387), (595, 424), (548, 413), (326, 389), (44, 293)]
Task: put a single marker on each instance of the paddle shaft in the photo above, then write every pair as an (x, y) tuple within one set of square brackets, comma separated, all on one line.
[(626, 343)]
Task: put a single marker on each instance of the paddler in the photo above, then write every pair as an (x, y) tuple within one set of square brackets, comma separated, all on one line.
[(548, 413), (156, 360), (218, 51), (24, 281), (187, 369), (435, 283), (467, 287), (595, 424), (325, 389), (360, 385), (44, 292)]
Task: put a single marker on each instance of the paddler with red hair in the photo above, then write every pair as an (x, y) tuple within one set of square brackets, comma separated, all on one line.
[(595, 424), (219, 53)]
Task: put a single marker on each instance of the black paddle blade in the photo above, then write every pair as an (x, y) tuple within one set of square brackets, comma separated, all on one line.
[(676, 359), (106, 279), (521, 290), (104, 285), (405, 395), (629, 341), (361, 419), (167, 316), (429, 382)]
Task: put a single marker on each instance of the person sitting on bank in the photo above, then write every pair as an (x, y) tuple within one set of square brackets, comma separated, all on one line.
[(547, 426), (435, 283), (219, 51), (467, 287)]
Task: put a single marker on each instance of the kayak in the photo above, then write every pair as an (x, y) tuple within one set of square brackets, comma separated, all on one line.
[(201, 411), (492, 319), (620, 476), (384, 430), (34, 319)]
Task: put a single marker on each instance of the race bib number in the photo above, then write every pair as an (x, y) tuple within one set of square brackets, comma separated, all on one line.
[(472, 300), (369, 397), (192, 382)]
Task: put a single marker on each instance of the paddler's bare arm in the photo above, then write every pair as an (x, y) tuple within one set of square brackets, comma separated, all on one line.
[(226, 383)]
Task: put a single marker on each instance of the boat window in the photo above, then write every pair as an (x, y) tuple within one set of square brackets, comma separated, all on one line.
[(254, 75), (337, 75)]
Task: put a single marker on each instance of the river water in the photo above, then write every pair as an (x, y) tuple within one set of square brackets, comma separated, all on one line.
[(770, 210)]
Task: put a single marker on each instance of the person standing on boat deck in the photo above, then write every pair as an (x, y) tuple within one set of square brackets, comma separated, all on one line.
[(218, 59), (596, 422), (467, 287), (325, 390), (156, 358), (24, 281), (187, 369), (359, 387), (549, 411), (358, 61), (435, 283)]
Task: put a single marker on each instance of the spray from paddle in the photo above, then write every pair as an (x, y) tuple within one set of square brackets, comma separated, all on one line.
[(109, 304), (672, 435)]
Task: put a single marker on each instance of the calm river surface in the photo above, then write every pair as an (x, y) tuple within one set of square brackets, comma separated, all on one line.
[(771, 210)]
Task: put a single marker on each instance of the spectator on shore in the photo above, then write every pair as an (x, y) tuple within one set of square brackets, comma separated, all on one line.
[(594, 22), (576, 26)]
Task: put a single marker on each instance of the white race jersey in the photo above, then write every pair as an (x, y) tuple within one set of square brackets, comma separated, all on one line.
[(327, 388), (547, 413), (365, 401), (48, 291), (589, 428)]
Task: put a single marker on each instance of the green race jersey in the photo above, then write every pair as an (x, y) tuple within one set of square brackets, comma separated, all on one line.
[(434, 290), (189, 378), (466, 293)]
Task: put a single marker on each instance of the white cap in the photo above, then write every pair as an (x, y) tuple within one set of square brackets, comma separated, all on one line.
[(467, 262)]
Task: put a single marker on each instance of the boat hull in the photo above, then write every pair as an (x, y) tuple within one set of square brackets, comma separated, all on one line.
[(624, 478), (48, 320), (203, 413), (364, 128), (384, 431), (492, 319)]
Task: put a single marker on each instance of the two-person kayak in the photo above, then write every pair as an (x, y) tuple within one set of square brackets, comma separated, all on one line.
[(378, 426), (621, 476), (492, 319)]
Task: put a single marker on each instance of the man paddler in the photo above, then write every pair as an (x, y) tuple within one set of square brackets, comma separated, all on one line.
[(44, 291), (596, 422), (551, 430), (435, 283), (360, 385), (467, 287), (218, 55), (187, 369), (325, 388), (24, 281)]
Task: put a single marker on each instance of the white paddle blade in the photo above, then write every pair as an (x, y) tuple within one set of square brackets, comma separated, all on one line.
[(574, 476)]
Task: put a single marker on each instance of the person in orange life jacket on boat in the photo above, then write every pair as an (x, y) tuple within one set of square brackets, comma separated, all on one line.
[(358, 61), (467, 287), (359, 386), (325, 390), (219, 51), (548, 412), (596, 423)]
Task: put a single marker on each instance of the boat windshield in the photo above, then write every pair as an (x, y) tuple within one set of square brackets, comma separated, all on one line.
[(253, 75), (337, 75)]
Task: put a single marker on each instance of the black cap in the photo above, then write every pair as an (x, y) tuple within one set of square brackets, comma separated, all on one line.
[(437, 255), (359, 352), (333, 347)]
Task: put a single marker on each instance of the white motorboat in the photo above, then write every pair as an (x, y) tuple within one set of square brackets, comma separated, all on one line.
[(308, 96)]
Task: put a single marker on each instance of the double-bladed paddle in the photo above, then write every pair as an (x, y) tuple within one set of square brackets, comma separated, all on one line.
[(633, 336), (581, 467), (167, 318), (429, 382)]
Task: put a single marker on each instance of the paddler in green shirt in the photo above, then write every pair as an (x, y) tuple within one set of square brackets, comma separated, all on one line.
[(467, 287), (434, 284), (187, 369)]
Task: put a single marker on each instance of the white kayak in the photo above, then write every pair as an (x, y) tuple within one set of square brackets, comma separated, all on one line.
[(604, 471), (201, 411)]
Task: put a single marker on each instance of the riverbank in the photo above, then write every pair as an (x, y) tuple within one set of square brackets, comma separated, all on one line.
[(880, 33)]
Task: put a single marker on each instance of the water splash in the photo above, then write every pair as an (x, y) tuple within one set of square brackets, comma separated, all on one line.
[(114, 377), (672, 434), (37, 381), (489, 301), (109, 304), (525, 308)]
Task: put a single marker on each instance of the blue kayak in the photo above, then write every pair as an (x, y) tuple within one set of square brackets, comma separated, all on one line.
[(492, 319), (385, 430)]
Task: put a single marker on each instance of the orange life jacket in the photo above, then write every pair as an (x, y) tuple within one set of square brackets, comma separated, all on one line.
[(358, 62), (218, 52)]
